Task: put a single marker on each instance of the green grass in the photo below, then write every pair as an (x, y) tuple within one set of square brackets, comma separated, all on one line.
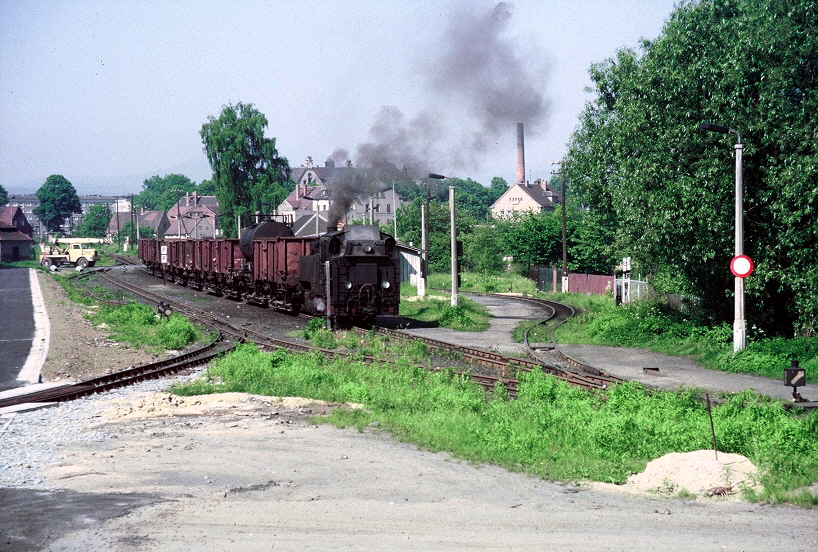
[(468, 316), (655, 326), (137, 325), (486, 283), (552, 430)]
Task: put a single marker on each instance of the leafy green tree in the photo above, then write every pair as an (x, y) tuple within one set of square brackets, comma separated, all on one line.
[(206, 187), (162, 192), (4, 196), (663, 189), (245, 163), (534, 238), (95, 222), (409, 230), (147, 232), (58, 200), (483, 249), (497, 189), (472, 198)]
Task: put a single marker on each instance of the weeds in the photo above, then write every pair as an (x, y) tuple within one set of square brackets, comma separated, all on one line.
[(552, 430), (468, 316), (137, 325)]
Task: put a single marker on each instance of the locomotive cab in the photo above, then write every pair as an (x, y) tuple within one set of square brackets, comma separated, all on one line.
[(357, 268)]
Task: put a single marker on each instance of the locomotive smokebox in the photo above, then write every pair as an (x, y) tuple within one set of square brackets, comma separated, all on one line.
[(264, 229)]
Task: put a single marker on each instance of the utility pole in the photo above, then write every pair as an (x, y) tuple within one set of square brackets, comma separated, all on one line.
[(561, 172)]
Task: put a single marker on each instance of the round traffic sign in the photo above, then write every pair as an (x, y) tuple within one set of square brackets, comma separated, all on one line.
[(741, 266)]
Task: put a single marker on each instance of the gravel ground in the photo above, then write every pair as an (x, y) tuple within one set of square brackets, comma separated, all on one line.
[(135, 470)]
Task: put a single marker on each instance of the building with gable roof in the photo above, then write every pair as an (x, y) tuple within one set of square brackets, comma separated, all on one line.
[(526, 197), (15, 235), (312, 194)]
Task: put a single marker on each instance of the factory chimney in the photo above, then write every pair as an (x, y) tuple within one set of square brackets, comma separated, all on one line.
[(520, 155)]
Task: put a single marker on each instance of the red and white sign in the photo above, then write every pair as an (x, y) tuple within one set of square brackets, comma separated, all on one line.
[(741, 266)]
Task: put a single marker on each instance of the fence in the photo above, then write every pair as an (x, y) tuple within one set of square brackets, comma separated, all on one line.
[(626, 289)]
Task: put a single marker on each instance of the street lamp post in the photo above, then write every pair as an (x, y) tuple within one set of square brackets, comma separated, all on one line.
[(739, 323), (455, 297)]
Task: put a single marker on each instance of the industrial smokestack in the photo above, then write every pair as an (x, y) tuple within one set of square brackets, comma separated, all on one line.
[(520, 155)]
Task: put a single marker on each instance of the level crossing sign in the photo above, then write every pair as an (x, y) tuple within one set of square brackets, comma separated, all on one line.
[(741, 266)]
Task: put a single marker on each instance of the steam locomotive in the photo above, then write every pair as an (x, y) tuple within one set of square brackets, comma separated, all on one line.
[(349, 275)]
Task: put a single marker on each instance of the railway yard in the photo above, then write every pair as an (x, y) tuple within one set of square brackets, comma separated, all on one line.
[(137, 469)]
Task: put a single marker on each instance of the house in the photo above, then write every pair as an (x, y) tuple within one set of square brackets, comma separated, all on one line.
[(526, 197), (156, 220), (14, 215), (29, 202), (194, 216), (313, 193), (15, 235)]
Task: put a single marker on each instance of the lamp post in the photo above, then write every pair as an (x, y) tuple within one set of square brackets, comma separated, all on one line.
[(238, 222), (561, 172), (455, 297), (739, 323)]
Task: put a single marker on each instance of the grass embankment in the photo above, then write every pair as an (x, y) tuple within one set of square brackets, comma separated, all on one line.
[(133, 324), (468, 316), (655, 326), (486, 283), (552, 430)]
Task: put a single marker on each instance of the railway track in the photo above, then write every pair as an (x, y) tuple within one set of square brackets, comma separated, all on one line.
[(504, 365), (229, 334), (123, 378)]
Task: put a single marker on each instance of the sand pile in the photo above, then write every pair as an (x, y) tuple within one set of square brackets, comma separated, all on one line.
[(696, 472), (157, 405)]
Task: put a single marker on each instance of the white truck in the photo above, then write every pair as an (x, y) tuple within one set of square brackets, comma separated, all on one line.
[(75, 251)]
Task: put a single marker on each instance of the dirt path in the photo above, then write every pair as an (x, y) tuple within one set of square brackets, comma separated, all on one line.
[(248, 473)]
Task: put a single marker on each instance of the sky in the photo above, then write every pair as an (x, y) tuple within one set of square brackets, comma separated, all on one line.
[(108, 94)]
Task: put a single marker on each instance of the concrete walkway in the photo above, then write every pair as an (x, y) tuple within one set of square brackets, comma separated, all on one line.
[(506, 312), (673, 372), (678, 371)]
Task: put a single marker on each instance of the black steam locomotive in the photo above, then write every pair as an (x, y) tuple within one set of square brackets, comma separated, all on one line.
[(348, 275)]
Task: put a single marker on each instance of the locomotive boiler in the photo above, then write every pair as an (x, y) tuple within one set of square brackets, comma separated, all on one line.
[(348, 275)]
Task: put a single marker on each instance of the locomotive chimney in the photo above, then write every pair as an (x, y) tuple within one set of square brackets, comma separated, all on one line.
[(520, 155)]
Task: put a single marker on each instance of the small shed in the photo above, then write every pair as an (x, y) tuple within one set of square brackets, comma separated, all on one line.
[(410, 263), (14, 245)]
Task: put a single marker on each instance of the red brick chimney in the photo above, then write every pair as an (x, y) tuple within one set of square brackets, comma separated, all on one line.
[(520, 155)]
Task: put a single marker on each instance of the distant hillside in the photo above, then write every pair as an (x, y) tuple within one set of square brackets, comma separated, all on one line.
[(195, 169)]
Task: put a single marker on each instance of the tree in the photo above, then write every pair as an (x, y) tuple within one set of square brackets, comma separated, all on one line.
[(58, 200), (162, 192), (534, 238), (483, 249), (472, 198), (440, 246), (246, 165), (95, 222), (4, 196), (664, 189), (497, 189)]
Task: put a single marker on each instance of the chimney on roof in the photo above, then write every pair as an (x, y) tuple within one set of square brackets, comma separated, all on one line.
[(329, 163), (520, 155), (349, 164), (187, 199), (196, 199)]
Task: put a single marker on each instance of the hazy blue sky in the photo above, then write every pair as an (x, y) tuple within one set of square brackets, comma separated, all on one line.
[(108, 93)]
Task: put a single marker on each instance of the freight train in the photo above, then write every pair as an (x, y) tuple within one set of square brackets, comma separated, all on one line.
[(348, 275)]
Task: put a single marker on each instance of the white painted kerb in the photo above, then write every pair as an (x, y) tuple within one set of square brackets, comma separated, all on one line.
[(42, 333)]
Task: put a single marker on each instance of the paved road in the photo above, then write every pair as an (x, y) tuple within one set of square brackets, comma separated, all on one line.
[(16, 325)]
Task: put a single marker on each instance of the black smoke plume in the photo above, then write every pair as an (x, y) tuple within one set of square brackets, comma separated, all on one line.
[(481, 85)]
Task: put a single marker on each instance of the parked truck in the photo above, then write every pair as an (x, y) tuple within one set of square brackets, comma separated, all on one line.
[(74, 251)]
